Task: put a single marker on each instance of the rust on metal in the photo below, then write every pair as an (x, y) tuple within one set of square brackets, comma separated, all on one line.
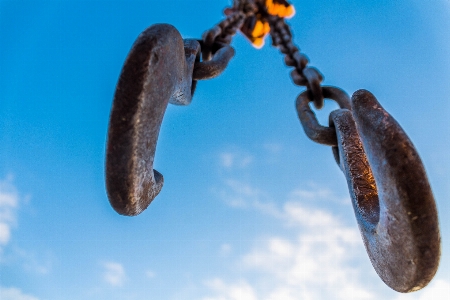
[(391, 196)]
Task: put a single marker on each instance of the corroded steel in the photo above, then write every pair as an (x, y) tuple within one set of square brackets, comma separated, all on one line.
[(391, 196)]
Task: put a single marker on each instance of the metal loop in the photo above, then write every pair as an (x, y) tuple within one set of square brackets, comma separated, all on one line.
[(298, 60), (314, 80), (391, 196), (316, 132), (224, 39), (298, 78), (210, 36), (222, 54), (158, 69)]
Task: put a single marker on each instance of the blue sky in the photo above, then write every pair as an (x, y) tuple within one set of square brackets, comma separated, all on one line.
[(250, 208)]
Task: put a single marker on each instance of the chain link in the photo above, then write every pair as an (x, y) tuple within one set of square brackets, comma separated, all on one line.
[(302, 74), (215, 44)]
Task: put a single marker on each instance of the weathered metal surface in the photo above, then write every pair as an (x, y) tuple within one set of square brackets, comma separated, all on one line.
[(391, 196), (158, 69), (315, 131)]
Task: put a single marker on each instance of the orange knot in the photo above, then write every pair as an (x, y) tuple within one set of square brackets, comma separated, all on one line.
[(256, 28), (280, 8)]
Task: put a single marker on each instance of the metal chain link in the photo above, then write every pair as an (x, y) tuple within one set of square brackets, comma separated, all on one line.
[(302, 74), (215, 44)]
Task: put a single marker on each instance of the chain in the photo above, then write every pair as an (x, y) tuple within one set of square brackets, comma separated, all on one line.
[(215, 44), (217, 52), (302, 74)]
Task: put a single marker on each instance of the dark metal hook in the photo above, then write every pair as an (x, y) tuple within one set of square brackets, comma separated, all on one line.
[(391, 196), (158, 70)]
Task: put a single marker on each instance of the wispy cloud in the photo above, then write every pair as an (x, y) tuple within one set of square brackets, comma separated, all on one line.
[(235, 159), (14, 294), (437, 290), (314, 261), (225, 249), (150, 274), (318, 257), (273, 148), (310, 263), (34, 263), (9, 203), (323, 252), (114, 274), (237, 291), (238, 194)]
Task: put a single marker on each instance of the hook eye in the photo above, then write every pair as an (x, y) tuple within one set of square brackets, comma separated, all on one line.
[(391, 196), (158, 69)]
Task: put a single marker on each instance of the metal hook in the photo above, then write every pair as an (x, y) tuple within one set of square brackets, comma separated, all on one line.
[(391, 196), (158, 69)]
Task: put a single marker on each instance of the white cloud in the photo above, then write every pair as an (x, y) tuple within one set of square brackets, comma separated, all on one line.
[(150, 274), (225, 249), (320, 258), (238, 194), (241, 195), (273, 148), (437, 290), (315, 262), (14, 294), (5, 233), (238, 291), (235, 159), (9, 202), (34, 263), (315, 193), (114, 274)]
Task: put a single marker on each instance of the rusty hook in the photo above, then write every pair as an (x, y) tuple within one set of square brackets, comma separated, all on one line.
[(391, 196), (158, 70)]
